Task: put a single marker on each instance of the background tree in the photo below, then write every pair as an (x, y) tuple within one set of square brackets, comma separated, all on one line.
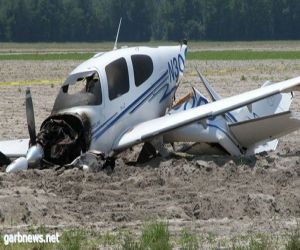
[(144, 20)]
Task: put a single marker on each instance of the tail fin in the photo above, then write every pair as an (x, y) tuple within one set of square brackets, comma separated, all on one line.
[(273, 104), (213, 94)]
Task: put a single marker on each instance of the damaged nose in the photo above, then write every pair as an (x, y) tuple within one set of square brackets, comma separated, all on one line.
[(63, 137)]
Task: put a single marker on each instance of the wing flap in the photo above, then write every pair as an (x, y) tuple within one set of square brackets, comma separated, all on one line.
[(155, 127), (270, 127)]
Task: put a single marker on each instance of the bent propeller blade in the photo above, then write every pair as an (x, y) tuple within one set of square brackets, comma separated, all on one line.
[(30, 117)]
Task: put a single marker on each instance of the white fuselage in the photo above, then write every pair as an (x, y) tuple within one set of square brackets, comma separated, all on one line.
[(149, 100)]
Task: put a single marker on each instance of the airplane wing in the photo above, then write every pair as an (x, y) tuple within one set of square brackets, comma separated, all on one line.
[(158, 126), (14, 148)]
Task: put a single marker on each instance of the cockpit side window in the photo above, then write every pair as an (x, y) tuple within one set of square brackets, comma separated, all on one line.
[(79, 89), (117, 78), (142, 67)]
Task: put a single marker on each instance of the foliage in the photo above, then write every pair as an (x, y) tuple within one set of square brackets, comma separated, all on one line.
[(72, 239), (293, 242), (129, 243), (97, 20), (188, 241), (156, 236)]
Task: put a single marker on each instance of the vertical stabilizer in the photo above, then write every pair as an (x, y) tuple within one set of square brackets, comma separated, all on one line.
[(213, 94)]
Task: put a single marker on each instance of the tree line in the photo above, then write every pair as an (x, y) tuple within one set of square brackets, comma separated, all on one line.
[(145, 20)]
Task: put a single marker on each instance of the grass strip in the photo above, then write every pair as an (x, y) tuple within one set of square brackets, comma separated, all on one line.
[(47, 57), (243, 55), (32, 82), (155, 236), (193, 55)]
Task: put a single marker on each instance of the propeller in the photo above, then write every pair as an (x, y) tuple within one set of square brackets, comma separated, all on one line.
[(35, 153), (30, 117)]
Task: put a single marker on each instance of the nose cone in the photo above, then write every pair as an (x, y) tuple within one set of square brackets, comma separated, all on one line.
[(33, 158), (34, 155), (17, 165)]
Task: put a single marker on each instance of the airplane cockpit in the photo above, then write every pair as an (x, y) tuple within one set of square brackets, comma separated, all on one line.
[(118, 71), (80, 89)]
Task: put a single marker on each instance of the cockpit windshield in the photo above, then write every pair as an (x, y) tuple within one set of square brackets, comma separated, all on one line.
[(79, 89)]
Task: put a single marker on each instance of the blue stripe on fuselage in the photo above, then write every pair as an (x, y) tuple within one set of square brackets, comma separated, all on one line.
[(162, 81), (231, 116), (224, 132), (99, 131), (102, 125)]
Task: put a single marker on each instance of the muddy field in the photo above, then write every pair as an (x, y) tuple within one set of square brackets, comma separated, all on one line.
[(218, 195)]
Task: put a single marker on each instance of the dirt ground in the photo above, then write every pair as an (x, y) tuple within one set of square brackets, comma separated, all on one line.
[(219, 195)]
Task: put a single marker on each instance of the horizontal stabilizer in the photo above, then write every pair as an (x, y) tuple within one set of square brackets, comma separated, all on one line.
[(14, 148), (270, 127)]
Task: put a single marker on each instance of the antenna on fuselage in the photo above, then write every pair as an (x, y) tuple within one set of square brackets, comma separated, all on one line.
[(117, 36)]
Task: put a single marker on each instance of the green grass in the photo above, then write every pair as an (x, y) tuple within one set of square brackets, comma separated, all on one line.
[(243, 55), (256, 242), (193, 55), (293, 242), (188, 241), (47, 56), (194, 45), (155, 236), (82, 46)]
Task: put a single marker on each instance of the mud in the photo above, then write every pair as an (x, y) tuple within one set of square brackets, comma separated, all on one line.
[(222, 195)]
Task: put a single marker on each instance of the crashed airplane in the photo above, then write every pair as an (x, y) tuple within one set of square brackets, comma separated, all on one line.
[(124, 97)]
